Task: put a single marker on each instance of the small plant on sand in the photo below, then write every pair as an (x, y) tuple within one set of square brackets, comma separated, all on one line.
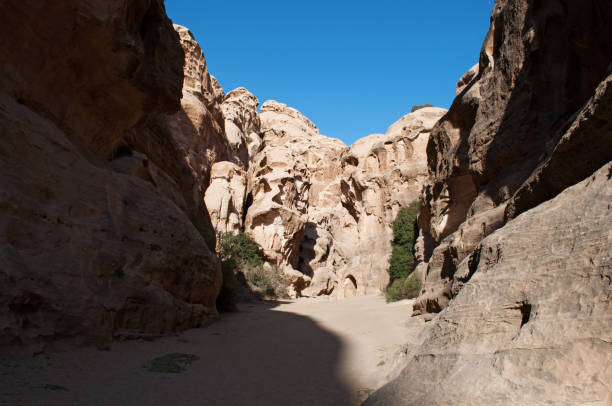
[(235, 251), (49, 386), (170, 363)]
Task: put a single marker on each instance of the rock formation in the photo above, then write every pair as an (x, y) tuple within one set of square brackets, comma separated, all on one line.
[(381, 174), (532, 325), (324, 209), (320, 209), (97, 232), (530, 123), (515, 242)]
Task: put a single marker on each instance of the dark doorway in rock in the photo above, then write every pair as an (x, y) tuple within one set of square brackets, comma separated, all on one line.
[(350, 286)]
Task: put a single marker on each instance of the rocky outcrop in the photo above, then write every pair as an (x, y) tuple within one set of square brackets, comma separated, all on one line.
[(531, 326), (381, 174), (529, 122), (242, 126), (325, 209), (64, 74), (92, 249), (227, 193), (225, 197), (281, 177), (515, 222)]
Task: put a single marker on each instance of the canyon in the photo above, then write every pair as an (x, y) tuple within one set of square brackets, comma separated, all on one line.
[(123, 160)]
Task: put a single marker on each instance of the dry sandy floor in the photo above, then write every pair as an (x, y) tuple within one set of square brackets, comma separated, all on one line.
[(304, 352)]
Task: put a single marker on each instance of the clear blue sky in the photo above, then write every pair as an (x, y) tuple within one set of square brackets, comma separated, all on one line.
[(352, 67)]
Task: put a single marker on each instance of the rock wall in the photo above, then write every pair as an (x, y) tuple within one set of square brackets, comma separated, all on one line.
[(318, 208), (515, 240), (531, 120), (532, 324), (97, 231), (325, 209)]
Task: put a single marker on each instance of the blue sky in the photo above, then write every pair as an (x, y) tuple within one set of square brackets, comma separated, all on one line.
[(352, 67)]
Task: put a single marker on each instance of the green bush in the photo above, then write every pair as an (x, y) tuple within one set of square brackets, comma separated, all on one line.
[(419, 107), (404, 288), (171, 363), (243, 268), (235, 252), (405, 229), (265, 278), (238, 250)]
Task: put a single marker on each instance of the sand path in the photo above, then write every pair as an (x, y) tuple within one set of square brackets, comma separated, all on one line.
[(304, 352)]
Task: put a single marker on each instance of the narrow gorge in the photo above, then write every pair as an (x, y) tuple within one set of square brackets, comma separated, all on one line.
[(124, 163)]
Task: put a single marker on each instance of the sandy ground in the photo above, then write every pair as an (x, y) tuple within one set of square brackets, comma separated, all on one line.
[(304, 352)]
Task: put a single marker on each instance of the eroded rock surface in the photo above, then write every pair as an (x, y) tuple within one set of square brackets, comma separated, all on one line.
[(225, 196), (325, 209), (63, 73), (532, 325), (515, 244), (91, 249), (531, 120)]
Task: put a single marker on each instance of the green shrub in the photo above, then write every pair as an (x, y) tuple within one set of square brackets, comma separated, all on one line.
[(404, 288), (419, 107), (401, 263), (268, 279), (243, 269), (239, 249), (171, 363)]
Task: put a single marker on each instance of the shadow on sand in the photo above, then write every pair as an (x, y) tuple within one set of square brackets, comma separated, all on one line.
[(258, 356)]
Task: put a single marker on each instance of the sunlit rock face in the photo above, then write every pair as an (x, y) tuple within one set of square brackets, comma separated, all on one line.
[(515, 224), (97, 236), (325, 209)]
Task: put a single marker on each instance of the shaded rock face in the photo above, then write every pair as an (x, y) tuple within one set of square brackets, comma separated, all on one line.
[(532, 325), (183, 146), (529, 121), (203, 150), (64, 74), (92, 249), (325, 209)]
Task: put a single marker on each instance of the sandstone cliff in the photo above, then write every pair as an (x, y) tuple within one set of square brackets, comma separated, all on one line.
[(97, 232), (515, 242), (531, 122), (532, 324), (324, 209)]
